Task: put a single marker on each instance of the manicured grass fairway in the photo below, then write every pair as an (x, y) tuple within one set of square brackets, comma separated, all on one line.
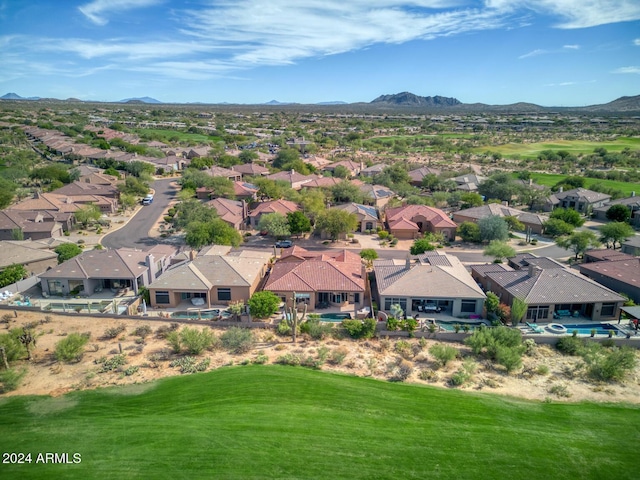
[(531, 150), (167, 134), (550, 179), (263, 422)]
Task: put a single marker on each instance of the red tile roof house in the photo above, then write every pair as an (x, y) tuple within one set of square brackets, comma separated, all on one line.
[(216, 171), (334, 277), (620, 273), (94, 270), (251, 170), (411, 221), (234, 212), (530, 220), (548, 288), (366, 214), (354, 168), (35, 228), (274, 206)]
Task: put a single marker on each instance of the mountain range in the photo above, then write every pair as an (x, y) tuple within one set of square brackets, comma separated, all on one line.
[(410, 101)]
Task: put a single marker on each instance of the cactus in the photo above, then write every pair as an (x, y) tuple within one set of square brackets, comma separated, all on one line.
[(293, 319)]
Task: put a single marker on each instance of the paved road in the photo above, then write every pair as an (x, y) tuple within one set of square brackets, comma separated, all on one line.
[(135, 234)]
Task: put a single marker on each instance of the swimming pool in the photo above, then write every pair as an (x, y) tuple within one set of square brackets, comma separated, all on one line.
[(585, 328), (334, 317), (202, 314)]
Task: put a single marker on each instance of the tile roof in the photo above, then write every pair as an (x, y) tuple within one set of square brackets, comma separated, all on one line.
[(499, 210), (608, 254), (553, 286), (250, 169), (583, 194), (22, 254), (625, 271), (364, 210), (275, 206), (433, 275), (435, 216), (419, 173), (120, 263), (231, 211)]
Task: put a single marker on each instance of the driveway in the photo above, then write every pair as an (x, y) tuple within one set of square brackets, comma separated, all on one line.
[(135, 233)]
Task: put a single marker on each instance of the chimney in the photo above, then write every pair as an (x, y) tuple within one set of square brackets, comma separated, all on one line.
[(534, 270), (561, 189), (151, 265), (292, 171), (408, 262)]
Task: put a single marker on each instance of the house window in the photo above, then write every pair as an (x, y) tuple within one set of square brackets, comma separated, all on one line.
[(538, 312), (55, 287), (388, 301), (162, 297), (368, 226), (608, 309), (468, 306), (224, 294)]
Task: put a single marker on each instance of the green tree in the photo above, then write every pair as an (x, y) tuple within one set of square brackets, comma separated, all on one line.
[(212, 232), (579, 242), (264, 304), (514, 224), (336, 222), (554, 227), (471, 199), (420, 246), (298, 223), (469, 232), (71, 348), (518, 310), (345, 192), (492, 303), (341, 172), (493, 227), (127, 201), (285, 157), (499, 250), (14, 349), (87, 214), (134, 186), (67, 251), (196, 341), (443, 353), (619, 213), (568, 215), (275, 224), (248, 156), (313, 202), (368, 255), (615, 232), (12, 274), (7, 192)]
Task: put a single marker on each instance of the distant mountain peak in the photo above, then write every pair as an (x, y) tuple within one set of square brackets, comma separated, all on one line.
[(15, 96), (411, 100), (140, 100)]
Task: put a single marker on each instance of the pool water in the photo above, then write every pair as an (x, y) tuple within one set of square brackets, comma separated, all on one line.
[(204, 314), (585, 328), (335, 317), (449, 326)]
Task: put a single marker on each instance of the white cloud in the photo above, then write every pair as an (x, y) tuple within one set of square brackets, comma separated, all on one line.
[(571, 47), (636, 42), (577, 13), (534, 53), (635, 70), (98, 10)]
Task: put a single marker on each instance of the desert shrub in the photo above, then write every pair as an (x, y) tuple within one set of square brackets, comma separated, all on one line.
[(289, 359), (191, 364), (571, 345), (610, 364), (443, 353), (283, 328), (393, 323), (238, 340), (315, 329), (164, 330), (464, 373), (195, 341), (110, 364), (360, 328), (323, 353), (338, 355), (13, 348), (403, 348), (71, 348), (486, 340), (173, 338), (509, 357), (142, 331), (560, 391), (409, 325), (428, 375), (530, 346), (260, 359), (402, 371), (11, 379), (113, 332), (131, 370), (542, 370)]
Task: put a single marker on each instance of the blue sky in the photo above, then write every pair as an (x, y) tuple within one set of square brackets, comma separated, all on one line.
[(549, 52)]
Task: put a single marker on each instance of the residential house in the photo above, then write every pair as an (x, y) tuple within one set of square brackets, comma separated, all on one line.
[(216, 171), (631, 246), (294, 179), (430, 279), (530, 220), (331, 278), (366, 214), (317, 162), (620, 273), (468, 182), (16, 225), (633, 203), (80, 189), (548, 289), (216, 279), (245, 191), (579, 199), (95, 270), (34, 259), (251, 170), (354, 168), (376, 195), (273, 206), (61, 204), (373, 170), (412, 221), (323, 182), (233, 212), (418, 175)]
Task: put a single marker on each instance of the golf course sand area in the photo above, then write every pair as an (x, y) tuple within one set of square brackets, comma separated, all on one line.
[(545, 375)]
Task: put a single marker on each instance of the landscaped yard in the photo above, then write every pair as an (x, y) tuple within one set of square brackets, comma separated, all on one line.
[(576, 147), (290, 422), (181, 136), (550, 179)]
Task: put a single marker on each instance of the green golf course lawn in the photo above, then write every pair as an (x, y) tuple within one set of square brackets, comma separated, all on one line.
[(263, 422)]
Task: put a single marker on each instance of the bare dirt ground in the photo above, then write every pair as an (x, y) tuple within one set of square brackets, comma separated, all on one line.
[(379, 359)]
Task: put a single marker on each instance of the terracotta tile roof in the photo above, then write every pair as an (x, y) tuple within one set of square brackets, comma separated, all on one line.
[(435, 216), (496, 209), (275, 206), (231, 211), (250, 169), (323, 182)]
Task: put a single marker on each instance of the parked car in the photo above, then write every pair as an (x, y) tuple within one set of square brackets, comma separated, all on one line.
[(284, 243)]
